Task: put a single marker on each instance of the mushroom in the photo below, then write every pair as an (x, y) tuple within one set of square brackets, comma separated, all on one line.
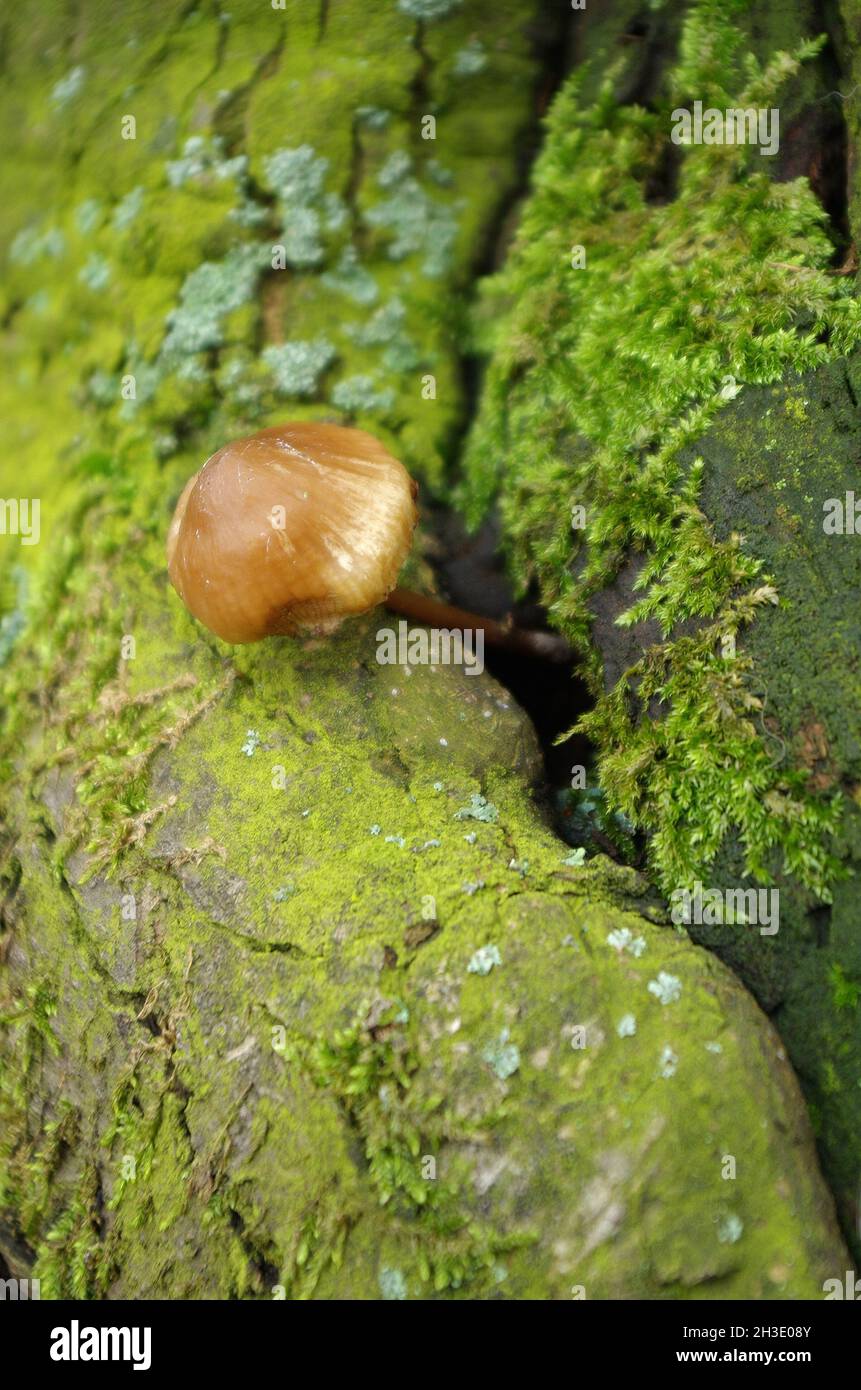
[(300, 526), (291, 531)]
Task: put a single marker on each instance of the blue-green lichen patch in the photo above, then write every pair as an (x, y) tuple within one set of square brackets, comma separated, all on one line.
[(479, 808), (297, 366)]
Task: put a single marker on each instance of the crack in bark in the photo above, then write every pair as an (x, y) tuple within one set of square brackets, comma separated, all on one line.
[(150, 65), (230, 117)]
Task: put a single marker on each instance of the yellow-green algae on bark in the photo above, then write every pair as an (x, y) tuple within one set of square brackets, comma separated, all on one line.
[(694, 389), (298, 993), (296, 1020)]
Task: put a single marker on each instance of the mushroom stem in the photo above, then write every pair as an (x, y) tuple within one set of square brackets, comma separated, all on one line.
[(544, 646)]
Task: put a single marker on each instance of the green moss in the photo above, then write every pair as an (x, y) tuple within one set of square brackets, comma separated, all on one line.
[(693, 293), (369, 1069), (846, 992), (71, 1261)]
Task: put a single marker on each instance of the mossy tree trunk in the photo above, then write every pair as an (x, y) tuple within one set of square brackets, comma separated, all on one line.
[(301, 995)]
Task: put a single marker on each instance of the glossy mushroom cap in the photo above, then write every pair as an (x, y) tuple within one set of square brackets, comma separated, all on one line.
[(290, 531)]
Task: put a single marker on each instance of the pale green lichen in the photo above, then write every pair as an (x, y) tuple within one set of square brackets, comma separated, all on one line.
[(428, 10), (385, 328), (502, 1056), (374, 117), (393, 1285), (666, 988), (28, 246), (362, 394), (204, 158), (623, 939), (730, 1229), (96, 274), (470, 60), (128, 210), (484, 959), (479, 808), (413, 220), (351, 278), (667, 1063), (88, 215), (439, 173), (69, 86), (207, 296), (297, 177), (297, 366), (14, 619)]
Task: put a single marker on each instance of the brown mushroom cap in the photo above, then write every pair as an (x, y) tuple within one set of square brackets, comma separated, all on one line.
[(291, 530)]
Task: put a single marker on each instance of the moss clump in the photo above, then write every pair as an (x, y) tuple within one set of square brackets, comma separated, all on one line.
[(369, 1069), (600, 378)]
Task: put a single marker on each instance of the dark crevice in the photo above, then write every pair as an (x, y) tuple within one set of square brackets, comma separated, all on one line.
[(139, 78), (10, 881), (16, 1254), (229, 118), (351, 193), (662, 182), (150, 1022), (653, 33), (221, 42), (816, 143), (265, 1269), (554, 48), (5, 47), (222, 34), (13, 308), (839, 164), (99, 1207), (471, 570), (420, 93), (819, 918)]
